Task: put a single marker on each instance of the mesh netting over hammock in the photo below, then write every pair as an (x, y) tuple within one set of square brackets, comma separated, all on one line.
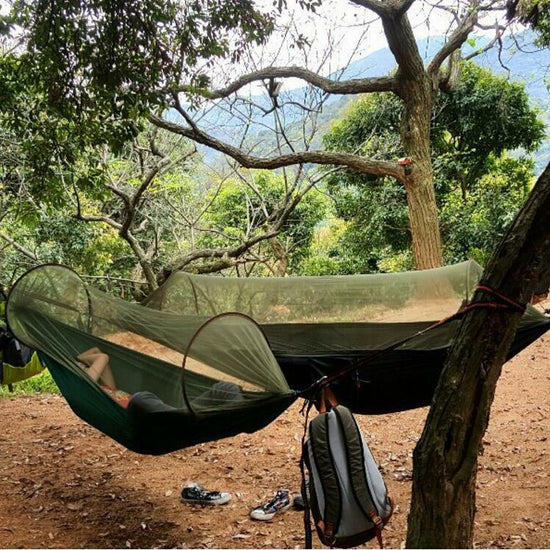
[(224, 355), (208, 377), (318, 325)]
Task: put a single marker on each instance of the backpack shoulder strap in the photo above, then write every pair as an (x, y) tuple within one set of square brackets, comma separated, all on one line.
[(356, 465), (324, 462)]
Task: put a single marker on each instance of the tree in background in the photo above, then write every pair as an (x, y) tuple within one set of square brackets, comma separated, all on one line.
[(241, 208), (155, 209), (478, 188)]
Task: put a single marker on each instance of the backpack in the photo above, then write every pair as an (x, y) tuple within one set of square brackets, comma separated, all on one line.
[(346, 492), (12, 351)]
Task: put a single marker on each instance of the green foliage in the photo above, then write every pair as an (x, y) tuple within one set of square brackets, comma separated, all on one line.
[(472, 225), (41, 383), (57, 237), (370, 126), (535, 13), (473, 127), (42, 152), (103, 65), (484, 117), (239, 211)]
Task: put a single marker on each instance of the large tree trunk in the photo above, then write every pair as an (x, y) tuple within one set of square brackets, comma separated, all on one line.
[(424, 222), (445, 459), (418, 97)]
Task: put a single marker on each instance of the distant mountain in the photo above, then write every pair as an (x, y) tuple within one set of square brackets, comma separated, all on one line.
[(517, 58)]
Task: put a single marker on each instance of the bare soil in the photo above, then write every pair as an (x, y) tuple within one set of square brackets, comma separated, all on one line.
[(63, 484)]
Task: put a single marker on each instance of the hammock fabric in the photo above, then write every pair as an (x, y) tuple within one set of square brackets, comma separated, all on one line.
[(183, 353), (192, 379), (317, 326)]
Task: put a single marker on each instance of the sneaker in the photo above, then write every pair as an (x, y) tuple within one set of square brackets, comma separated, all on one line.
[(280, 502), (197, 494)]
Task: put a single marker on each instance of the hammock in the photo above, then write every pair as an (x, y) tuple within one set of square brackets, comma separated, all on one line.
[(320, 325), (270, 337), (176, 367)]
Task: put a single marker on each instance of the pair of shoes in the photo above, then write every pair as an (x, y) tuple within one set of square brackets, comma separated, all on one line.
[(280, 502), (197, 494)]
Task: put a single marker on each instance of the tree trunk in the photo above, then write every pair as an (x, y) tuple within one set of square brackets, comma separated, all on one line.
[(445, 459), (423, 219), (415, 135)]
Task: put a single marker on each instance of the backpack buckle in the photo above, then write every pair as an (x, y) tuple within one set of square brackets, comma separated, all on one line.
[(377, 520)]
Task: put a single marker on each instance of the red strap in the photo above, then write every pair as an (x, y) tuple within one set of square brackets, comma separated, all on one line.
[(504, 299)]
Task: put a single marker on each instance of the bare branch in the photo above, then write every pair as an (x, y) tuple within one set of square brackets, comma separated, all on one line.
[(20, 248), (353, 86), (456, 39), (356, 162), (224, 253), (498, 35), (448, 81)]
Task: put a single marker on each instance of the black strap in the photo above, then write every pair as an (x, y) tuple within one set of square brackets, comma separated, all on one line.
[(308, 543)]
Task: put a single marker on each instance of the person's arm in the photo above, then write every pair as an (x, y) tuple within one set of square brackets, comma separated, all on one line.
[(88, 356)]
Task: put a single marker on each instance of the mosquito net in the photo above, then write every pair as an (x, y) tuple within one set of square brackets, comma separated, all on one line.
[(228, 363), (410, 296)]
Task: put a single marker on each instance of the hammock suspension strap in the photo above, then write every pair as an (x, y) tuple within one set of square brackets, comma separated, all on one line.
[(500, 301)]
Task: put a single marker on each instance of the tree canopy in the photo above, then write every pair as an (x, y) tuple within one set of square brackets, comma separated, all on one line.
[(104, 65)]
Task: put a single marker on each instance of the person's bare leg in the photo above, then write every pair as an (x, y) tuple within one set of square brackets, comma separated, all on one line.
[(88, 356), (107, 376), (99, 369)]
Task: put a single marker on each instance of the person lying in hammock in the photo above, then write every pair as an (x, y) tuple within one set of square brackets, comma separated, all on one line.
[(96, 364)]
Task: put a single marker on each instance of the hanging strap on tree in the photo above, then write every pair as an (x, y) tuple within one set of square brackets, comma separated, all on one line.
[(500, 302)]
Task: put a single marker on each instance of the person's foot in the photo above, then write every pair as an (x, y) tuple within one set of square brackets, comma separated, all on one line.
[(280, 502), (197, 494)]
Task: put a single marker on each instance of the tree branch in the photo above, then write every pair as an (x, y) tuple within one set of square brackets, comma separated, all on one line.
[(234, 252), (383, 9), (360, 164), (353, 86), (448, 80), (31, 255), (455, 41), (130, 239), (498, 35)]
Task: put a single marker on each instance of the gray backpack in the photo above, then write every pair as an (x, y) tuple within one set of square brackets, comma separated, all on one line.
[(347, 495)]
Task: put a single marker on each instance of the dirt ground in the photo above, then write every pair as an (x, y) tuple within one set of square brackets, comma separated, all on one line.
[(63, 484)]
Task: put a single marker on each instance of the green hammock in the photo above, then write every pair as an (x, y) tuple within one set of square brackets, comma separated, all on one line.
[(179, 351), (10, 375), (173, 365), (318, 326)]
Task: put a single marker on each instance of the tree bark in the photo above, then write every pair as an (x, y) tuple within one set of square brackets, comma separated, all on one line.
[(423, 219), (418, 96), (445, 459)]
